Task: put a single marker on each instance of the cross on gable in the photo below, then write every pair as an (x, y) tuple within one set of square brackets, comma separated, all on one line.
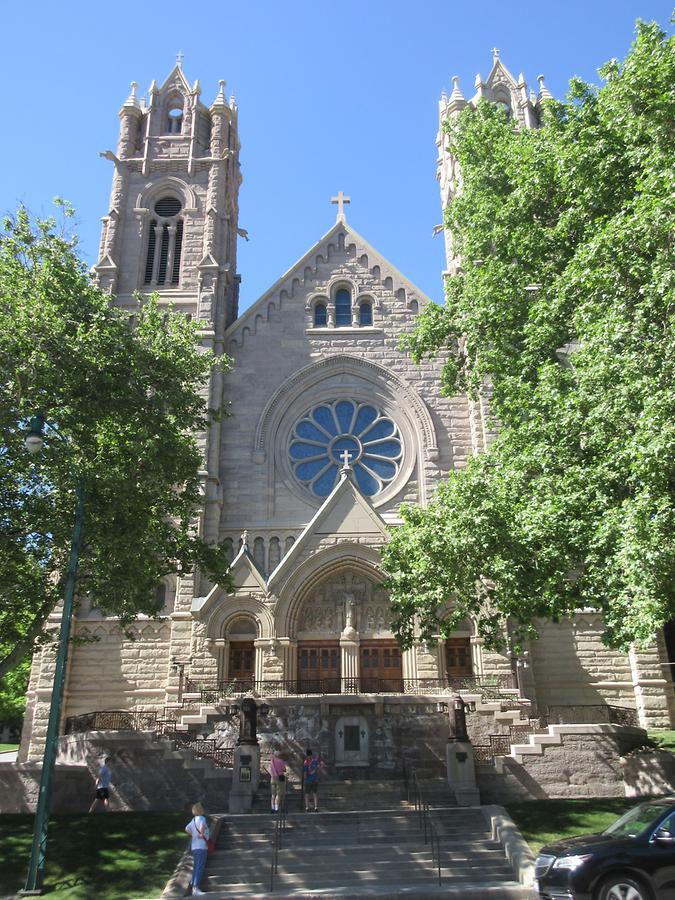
[(341, 199), (179, 59), (345, 457)]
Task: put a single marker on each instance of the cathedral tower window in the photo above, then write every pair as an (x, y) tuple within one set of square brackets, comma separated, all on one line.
[(365, 313), (343, 308), (174, 119), (320, 315), (165, 244)]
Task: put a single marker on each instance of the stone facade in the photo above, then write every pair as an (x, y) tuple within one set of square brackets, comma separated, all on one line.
[(317, 369)]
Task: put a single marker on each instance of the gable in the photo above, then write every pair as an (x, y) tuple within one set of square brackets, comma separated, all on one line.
[(341, 255)]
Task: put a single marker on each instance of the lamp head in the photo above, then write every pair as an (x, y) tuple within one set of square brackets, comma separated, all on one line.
[(34, 440)]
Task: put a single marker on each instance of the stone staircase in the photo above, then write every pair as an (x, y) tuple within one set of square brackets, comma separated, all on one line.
[(363, 852), (345, 795)]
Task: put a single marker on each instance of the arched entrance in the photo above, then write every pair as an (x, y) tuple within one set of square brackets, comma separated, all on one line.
[(344, 638)]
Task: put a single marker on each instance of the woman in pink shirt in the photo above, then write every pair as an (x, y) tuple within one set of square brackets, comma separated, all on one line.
[(277, 779)]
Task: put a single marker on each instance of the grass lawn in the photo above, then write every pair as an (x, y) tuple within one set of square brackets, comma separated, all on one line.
[(665, 739), (4, 747), (544, 821), (107, 856)]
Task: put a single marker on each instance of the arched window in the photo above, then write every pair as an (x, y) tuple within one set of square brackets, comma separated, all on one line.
[(165, 244), (365, 313), (228, 546), (343, 308), (259, 553), (320, 315), (174, 118), (274, 553), (414, 307)]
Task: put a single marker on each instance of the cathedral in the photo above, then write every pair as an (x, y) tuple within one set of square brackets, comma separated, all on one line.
[(331, 428)]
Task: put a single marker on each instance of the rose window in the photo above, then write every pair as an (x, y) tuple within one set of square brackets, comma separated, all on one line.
[(321, 438)]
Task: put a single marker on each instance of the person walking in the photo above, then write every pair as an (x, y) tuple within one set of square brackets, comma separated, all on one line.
[(277, 780), (199, 834), (311, 767), (103, 780)]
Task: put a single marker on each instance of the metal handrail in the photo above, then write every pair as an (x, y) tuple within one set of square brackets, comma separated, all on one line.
[(425, 820), (277, 839)]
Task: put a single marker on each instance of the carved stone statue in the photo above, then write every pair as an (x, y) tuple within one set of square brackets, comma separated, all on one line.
[(350, 616)]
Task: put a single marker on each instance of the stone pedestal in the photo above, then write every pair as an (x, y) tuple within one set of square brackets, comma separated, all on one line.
[(245, 777), (462, 773)]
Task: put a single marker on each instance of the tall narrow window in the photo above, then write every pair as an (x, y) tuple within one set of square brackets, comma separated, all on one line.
[(365, 314), (165, 244), (343, 308), (320, 315), (150, 261), (175, 274), (163, 255)]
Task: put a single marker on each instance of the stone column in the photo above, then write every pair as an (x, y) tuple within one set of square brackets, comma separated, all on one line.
[(288, 653), (260, 645), (349, 661), (409, 662)]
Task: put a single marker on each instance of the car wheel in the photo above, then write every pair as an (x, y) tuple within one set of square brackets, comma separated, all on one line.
[(622, 887)]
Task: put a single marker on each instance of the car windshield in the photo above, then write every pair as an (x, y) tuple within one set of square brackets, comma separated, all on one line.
[(636, 820)]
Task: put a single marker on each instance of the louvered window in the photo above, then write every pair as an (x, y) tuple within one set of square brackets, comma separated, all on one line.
[(165, 244)]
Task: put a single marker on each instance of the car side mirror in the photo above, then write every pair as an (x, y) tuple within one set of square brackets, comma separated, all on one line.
[(663, 836)]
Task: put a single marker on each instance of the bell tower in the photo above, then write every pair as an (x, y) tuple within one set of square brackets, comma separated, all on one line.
[(500, 87), (173, 218)]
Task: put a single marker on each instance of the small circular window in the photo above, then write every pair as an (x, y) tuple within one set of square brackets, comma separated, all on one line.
[(168, 207), (323, 438)]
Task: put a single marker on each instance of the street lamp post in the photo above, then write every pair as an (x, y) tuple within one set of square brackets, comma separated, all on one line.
[(34, 443)]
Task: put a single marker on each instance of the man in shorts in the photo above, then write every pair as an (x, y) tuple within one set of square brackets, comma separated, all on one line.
[(103, 786), (311, 767)]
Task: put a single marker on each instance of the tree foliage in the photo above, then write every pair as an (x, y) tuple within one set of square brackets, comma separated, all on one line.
[(126, 403), (572, 504)]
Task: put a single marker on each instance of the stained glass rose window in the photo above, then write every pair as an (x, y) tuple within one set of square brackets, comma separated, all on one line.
[(320, 438)]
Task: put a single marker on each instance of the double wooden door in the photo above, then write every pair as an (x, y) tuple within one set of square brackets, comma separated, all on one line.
[(241, 667), (319, 667), (458, 657), (381, 667)]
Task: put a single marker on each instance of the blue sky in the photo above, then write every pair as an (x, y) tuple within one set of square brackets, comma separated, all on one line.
[(339, 96)]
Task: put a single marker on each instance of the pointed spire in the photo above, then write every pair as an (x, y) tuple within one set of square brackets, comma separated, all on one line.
[(480, 86), (220, 100), (233, 102), (544, 93)]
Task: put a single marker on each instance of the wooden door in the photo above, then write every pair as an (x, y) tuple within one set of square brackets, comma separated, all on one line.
[(458, 658), (381, 667), (318, 667), (241, 668)]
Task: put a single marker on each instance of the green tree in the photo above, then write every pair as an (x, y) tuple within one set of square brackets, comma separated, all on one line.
[(572, 505), (127, 402)]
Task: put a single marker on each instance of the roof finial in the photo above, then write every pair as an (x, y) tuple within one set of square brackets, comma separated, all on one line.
[(495, 54), (180, 56), (131, 99), (544, 93), (456, 93), (220, 98), (346, 467), (341, 199), (244, 539)]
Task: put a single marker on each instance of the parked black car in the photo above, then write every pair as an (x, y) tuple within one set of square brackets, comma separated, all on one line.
[(633, 859)]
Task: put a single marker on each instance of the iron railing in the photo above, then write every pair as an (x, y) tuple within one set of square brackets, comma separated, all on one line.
[(592, 714), (488, 686), (152, 721), (426, 823)]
